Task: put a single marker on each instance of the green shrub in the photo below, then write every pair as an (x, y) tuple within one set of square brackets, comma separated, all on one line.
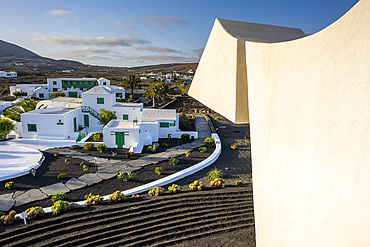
[(101, 148), (128, 176), (91, 199), (120, 175), (215, 173), (85, 168), (197, 185), (10, 185), (156, 191), (35, 212), (2, 213), (187, 153), (62, 176), (209, 141), (96, 137), (152, 148), (57, 94), (9, 219), (174, 188), (59, 207), (19, 93), (58, 197), (218, 119), (117, 197), (202, 149), (89, 146), (173, 161), (165, 145), (159, 170), (218, 182), (185, 137)]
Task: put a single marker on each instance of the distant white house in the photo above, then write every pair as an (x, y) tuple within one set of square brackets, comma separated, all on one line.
[(71, 87), (4, 105), (134, 127), (11, 74)]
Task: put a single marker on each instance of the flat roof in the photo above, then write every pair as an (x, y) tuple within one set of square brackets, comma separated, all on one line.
[(67, 99), (128, 105), (52, 111), (122, 124)]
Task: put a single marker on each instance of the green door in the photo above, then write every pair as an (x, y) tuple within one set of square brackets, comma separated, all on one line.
[(72, 94), (86, 120), (75, 124), (120, 139)]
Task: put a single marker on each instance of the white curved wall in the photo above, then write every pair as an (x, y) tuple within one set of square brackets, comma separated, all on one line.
[(309, 109)]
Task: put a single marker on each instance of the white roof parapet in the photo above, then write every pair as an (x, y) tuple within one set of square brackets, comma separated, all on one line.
[(158, 114)]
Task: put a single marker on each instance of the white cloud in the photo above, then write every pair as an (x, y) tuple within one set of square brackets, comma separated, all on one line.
[(163, 59), (99, 41), (158, 49), (61, 12)]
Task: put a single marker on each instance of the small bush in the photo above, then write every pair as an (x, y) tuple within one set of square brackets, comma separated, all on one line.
[(165, 145), (209, 141), (55, 155), (197, 185), (82, 163), (234, 146), (135, 196), (10, 185), (2, 213), (187, 153), (57, 94), (67, 161), (9, 219), (62, 176), (152, 148), (91, 199), (58, 197), (185, 137), (215, 173), (218, 119), (101, 148), (156, 191), (218, 182), (59, 207), (131, 153), (35, 212), (129, 176), (120, 175), (159, 170), (96, 137), (173, 161), (174, 188), (85, 168), (89, 146), (117, 197), (202, 149), (238, 182)]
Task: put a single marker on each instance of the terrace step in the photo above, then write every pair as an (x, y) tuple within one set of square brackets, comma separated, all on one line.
[(131, 223)]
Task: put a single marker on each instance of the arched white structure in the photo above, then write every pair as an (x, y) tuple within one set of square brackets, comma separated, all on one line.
[(309, 112)]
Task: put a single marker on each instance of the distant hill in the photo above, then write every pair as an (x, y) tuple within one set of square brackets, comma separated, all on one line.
[(178, 67), (11, 53)]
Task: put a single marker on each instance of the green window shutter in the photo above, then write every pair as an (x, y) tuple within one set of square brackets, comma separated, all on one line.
[(100, 101), (55, 90), (164, 124), (41, 95), (104, 83), (125, 117), (32, 127), (54, 83), (173, 124)]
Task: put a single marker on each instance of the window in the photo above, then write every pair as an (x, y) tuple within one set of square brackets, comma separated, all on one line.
[(77, 83), (41, 95), (173, 124), (100, 101), (125, 117), (104, 83), (55, 89), (164, 125), (118, 95), (32, 127), (54, 83)]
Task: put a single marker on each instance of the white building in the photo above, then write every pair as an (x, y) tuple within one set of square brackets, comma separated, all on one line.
[(67, 118), (10, 74), (71, 87), (52, 123), (4, 105)]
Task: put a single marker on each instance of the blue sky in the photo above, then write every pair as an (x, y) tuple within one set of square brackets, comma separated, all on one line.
[(134, 33)]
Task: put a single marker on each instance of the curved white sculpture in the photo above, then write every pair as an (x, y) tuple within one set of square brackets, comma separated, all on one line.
[(308, 103)]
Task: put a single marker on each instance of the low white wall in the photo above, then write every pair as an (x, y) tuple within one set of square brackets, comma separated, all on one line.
[(178, 134)]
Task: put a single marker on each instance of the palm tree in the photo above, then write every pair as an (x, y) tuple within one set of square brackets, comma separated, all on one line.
[(131, 81), (156, 91), (28, 104), (25, 106)]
